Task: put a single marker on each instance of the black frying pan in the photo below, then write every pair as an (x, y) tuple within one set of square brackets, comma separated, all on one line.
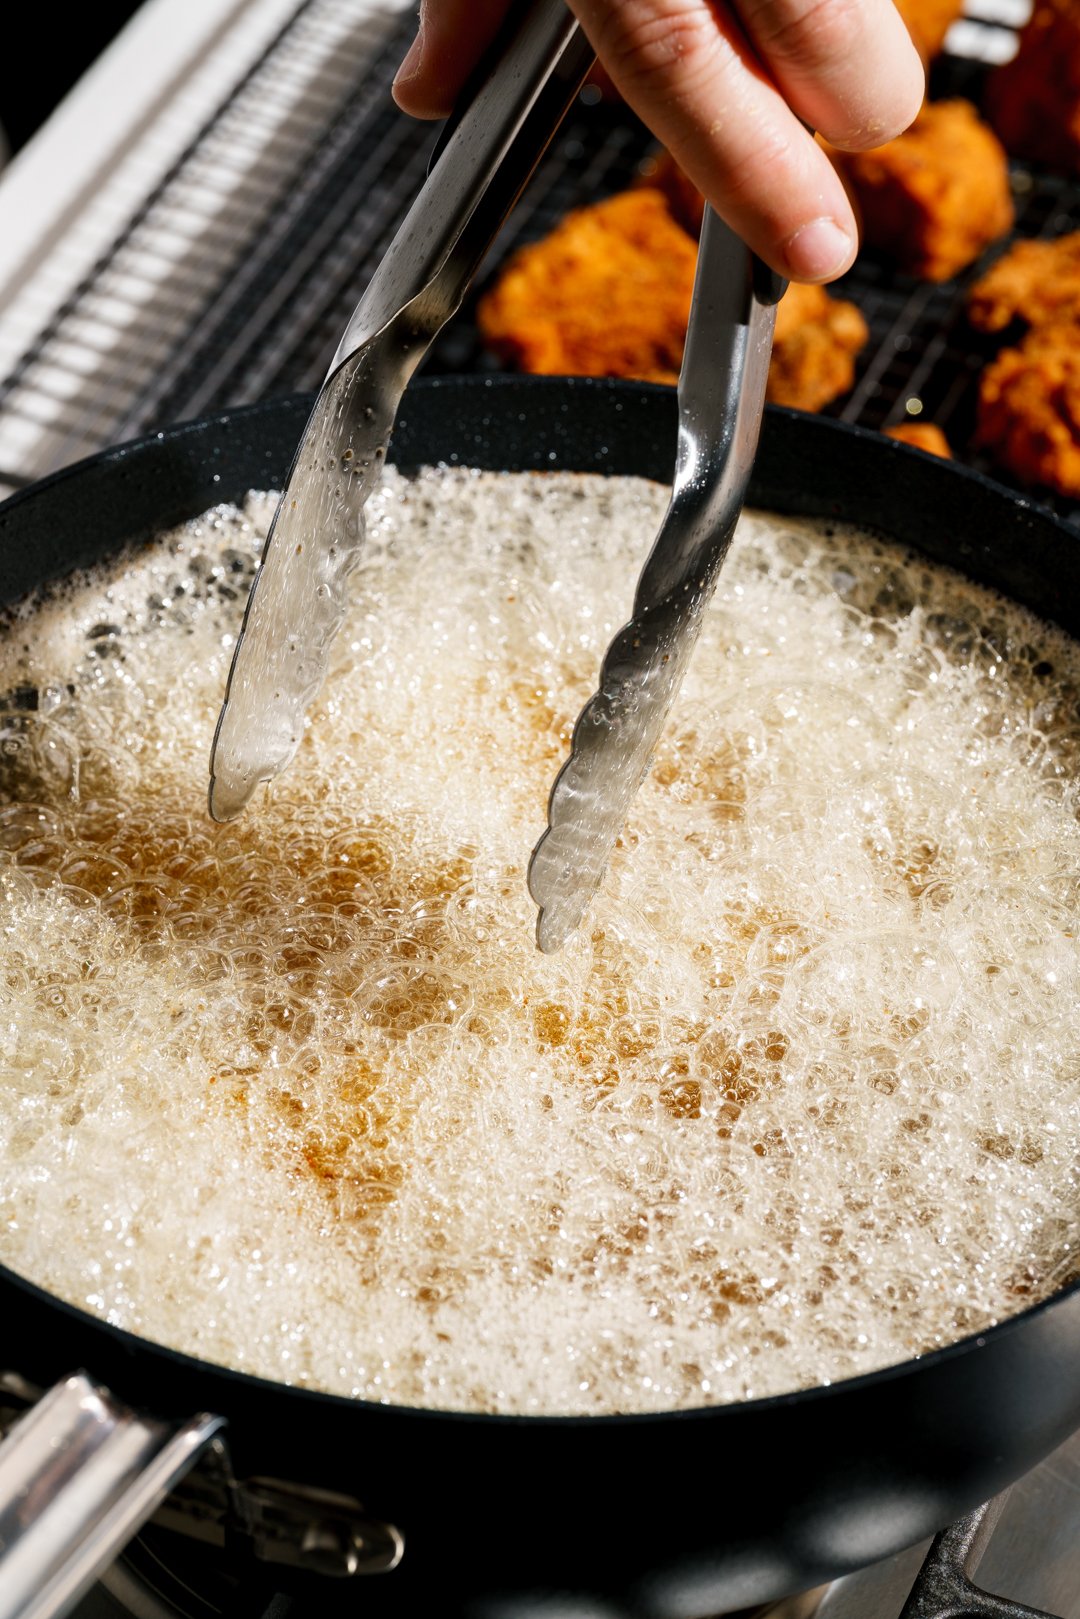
[(683, 1514)]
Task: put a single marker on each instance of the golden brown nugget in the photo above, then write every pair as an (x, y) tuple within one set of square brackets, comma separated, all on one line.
[(924, 436), (817, 340), (606, 294), (934, 198), (1029, 408), (1034, 101), (1035, 282), (928, 21)]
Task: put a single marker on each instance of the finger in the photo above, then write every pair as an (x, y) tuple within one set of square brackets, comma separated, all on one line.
[(451, 38), (847, 67), (687, 69)]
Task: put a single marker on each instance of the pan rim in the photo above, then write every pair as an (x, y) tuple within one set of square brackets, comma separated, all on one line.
[(132, 1344), (506, 382)]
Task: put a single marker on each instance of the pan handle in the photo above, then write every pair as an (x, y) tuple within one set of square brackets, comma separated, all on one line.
[(79, 1474)]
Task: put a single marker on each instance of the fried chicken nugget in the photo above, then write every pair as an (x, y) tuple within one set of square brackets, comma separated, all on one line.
[(814, 348), (924, 436), (606, 294), (1029, 408), (932, 199), (928, 21), (1034, 282), (817, 337), (1034, 101)]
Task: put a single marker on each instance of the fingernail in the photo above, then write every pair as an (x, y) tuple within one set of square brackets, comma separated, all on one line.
[(818, 250), (410, 66)]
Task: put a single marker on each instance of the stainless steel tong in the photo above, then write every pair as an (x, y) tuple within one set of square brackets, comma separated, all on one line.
[(721, 398), (298, 600)]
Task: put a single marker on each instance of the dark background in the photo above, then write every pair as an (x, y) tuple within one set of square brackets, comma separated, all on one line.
[(55, 48)]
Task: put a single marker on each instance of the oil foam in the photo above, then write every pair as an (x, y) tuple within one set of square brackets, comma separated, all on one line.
[(298, 1094)]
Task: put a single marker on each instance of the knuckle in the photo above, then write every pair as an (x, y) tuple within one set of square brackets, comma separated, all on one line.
[(810, 34), (652, 43)]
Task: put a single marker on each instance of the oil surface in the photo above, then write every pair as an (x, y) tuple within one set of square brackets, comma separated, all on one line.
[(298, 1093)]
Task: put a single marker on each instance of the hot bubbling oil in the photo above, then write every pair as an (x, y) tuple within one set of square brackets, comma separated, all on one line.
[(299, 1095)]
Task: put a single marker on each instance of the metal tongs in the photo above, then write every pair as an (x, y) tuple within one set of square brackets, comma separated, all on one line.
[(298, 600), (721, 399)]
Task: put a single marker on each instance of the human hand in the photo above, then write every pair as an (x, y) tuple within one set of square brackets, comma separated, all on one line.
[(729, 86)]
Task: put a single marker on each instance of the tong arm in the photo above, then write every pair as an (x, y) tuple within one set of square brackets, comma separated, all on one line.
[(485, 155)]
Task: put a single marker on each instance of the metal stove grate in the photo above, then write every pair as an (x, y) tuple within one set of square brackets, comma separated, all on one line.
[(233, 279)]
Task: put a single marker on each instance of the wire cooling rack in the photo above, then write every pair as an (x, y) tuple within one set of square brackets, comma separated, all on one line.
[(233, 277)]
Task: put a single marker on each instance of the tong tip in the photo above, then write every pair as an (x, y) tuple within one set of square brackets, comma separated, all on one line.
[(226, 802), (562, 881)]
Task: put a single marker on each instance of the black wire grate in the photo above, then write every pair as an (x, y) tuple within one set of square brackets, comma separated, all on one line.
[(253, 302), (921, 347)]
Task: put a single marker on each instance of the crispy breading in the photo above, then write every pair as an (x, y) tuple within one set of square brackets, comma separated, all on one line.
[(1029, 408), (1034, 282), (932, 199), (606, 294), (928, 21), (1034, 101), (662, 173), (924, 436), (814, 349)]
